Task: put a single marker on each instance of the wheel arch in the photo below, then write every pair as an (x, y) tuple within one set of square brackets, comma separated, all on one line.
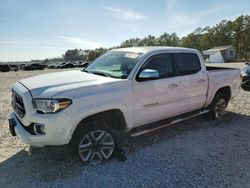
[(217, 112), (114, 118), (226, 91)]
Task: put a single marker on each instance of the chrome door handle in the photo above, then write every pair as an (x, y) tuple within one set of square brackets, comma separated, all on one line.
[(173, 86), (201, 81)]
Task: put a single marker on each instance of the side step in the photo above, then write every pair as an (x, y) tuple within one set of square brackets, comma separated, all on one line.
[(164, 123)]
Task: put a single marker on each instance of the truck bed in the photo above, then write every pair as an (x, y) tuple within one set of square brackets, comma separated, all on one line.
[(221, 76)]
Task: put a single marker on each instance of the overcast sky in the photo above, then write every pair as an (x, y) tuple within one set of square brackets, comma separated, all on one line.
[(33, 29)]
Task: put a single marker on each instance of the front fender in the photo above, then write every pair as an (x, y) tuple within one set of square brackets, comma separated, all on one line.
[(89, 110)]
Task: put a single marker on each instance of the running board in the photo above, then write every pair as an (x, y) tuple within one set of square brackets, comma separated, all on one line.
[(164, 123)]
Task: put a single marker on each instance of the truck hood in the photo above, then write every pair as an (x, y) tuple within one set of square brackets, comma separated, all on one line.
[(47, 85)]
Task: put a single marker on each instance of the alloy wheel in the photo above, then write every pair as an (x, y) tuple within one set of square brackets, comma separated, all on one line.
[(220, 108), (97, 145)]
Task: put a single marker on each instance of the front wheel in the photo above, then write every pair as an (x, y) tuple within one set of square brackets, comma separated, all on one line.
[(218, 106), (93, 142), (96, 145)]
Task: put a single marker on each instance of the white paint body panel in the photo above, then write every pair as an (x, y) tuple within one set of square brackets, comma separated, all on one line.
[(140, 102), (154, 100)]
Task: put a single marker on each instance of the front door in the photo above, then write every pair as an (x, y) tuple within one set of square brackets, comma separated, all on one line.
[(156, 99)]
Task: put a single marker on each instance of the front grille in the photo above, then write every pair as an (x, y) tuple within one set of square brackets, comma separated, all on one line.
[(17, 104)]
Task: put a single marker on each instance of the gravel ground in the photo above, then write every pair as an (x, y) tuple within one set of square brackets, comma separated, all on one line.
[(194, 153)]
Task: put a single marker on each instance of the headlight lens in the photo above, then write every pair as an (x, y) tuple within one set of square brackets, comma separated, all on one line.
[(50, 105)]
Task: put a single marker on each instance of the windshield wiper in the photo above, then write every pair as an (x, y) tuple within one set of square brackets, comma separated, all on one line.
[(85, 71), (100, 73)]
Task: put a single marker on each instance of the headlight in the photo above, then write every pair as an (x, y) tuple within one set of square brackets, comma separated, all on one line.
[(50, 105)]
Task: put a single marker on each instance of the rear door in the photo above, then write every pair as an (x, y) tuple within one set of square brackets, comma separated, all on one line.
[(193, 81)]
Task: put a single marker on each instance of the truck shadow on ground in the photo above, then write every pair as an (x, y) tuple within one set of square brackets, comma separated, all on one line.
[(229, 120), (39, 167)]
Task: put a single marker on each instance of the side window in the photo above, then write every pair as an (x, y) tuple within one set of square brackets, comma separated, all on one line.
[(186, 63), (162, 63)]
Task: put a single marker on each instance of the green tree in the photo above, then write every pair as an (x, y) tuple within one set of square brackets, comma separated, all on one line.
[(236, 32), (72, 55), (93, 54), (168, 40), (241, 34)]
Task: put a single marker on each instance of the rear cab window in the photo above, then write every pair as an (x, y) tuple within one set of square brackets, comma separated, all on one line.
[(186, 63)]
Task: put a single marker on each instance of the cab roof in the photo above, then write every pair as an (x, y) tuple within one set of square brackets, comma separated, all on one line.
[(147, 49)]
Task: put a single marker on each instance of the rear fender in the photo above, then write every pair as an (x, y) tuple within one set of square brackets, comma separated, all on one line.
[(213, 92)]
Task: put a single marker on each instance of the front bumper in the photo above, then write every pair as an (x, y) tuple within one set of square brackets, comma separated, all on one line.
[(55, 130), (56, 126)]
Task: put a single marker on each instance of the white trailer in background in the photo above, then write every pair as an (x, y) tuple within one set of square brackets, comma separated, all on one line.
[(215, 58), (219, 54)]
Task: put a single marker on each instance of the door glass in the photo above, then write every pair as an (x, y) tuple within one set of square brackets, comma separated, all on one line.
[(186, 63), (162, 63)]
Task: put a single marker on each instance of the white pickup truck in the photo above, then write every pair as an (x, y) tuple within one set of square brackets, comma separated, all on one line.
[(131, 90)]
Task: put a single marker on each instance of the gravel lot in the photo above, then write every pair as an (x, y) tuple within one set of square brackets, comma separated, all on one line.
[(194, 153)]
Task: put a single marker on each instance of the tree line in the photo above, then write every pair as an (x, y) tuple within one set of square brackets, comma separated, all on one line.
[(227, 32)]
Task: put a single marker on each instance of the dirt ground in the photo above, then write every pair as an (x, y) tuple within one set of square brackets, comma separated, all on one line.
[(194, 153)]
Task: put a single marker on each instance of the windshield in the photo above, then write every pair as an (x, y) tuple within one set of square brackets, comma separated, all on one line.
[(114, 64)]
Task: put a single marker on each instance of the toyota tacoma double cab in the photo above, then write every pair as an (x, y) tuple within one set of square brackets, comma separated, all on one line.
[(128, 90)]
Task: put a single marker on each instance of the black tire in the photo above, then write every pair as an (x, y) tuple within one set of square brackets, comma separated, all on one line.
[(218, 106), (93, 141)]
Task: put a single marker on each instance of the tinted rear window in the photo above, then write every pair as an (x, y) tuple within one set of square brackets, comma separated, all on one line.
[(186, 63)]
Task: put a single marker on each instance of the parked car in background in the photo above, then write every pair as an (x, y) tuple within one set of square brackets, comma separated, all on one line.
[(245, 78), (14, 67), (4, 68), (34, 66), (81, 64), (128, 90), (52, 66), (22, 65), (65, 65)]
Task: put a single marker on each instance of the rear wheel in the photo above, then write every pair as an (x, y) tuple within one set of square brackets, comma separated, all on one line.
[(93, 142), (218, 106)]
